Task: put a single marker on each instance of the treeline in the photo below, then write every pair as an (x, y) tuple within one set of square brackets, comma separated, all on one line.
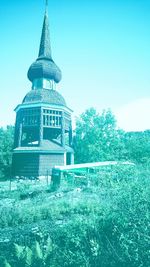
[(96, 138)]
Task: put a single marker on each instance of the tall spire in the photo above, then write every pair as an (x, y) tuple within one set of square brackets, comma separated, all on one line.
[(45, 47), (44, 67)]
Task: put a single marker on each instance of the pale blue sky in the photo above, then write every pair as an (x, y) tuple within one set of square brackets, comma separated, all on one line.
[(101, 46)]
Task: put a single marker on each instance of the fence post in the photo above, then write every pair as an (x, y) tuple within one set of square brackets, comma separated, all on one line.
[(10, 180), (88, 177), (56, 178), (10, 184), (47, 178)]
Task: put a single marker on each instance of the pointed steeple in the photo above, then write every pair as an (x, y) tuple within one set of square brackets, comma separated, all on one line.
[(45, 47), (44, 67)]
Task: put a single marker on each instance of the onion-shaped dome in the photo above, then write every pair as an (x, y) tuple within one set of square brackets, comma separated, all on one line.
[(44, 67), (48, 96)]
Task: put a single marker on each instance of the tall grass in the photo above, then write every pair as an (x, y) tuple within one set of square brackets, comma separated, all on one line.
[(104, 224)]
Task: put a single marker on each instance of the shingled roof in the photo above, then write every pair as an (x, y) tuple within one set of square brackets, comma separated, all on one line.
[(46, 146), (49, 96), (45, 46)]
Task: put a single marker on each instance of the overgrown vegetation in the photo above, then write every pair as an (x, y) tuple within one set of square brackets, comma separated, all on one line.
[(6, 146), (97, 220), (103, 224)]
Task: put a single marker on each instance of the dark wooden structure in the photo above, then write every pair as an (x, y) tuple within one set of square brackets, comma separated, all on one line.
[(43, 129)]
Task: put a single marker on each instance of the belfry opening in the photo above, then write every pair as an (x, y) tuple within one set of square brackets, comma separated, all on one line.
[(43, 128)]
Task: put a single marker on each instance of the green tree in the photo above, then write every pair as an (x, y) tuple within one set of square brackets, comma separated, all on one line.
[(137, 145), (6, 146), (97, 137)]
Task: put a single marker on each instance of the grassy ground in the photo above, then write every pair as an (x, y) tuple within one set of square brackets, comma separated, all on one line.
[(101, 222)]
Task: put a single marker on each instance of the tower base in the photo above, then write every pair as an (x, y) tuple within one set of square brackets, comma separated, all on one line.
[(36, 161)]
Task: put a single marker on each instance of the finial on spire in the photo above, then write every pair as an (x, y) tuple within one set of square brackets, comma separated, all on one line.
[(46, 6)]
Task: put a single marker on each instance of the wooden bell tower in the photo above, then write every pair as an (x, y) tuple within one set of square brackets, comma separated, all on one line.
[(43, 129)]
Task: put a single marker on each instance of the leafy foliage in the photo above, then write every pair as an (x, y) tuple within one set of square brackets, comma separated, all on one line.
[(97, 138), (137, 146), (6, 146), (25, 256)]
